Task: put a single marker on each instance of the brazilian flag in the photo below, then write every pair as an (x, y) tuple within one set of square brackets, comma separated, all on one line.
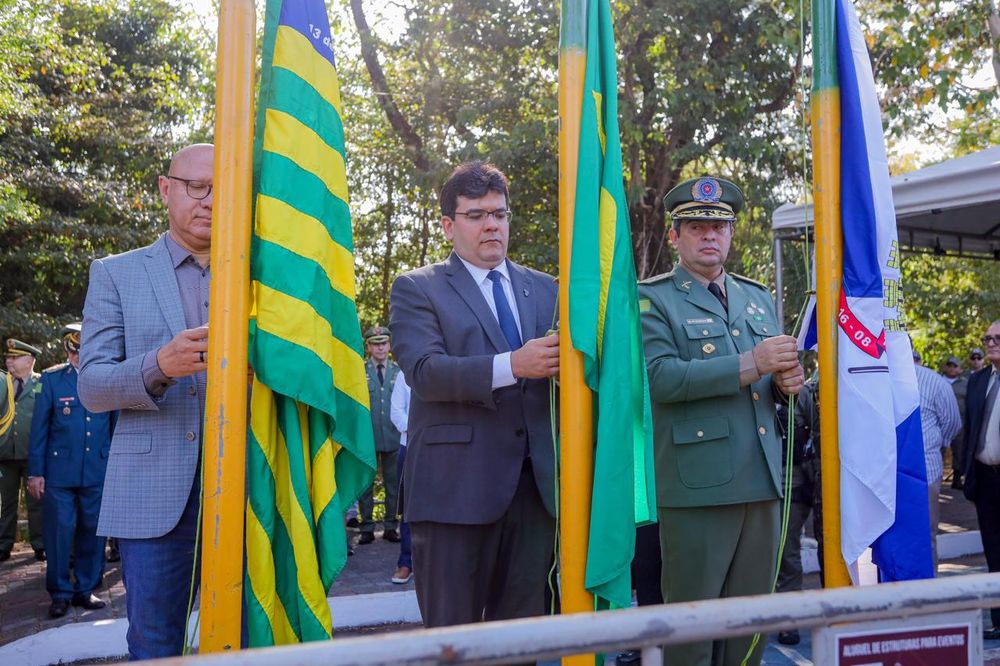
[(310, 452), (604, 324)]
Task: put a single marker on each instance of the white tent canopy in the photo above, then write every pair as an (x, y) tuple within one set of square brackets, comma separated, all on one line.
[(951, 207)]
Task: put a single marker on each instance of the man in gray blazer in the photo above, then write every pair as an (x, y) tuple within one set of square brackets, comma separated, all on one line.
[(470, 335), (143, 353)]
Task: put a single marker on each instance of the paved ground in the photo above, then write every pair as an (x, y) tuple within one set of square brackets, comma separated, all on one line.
[(24, 602)]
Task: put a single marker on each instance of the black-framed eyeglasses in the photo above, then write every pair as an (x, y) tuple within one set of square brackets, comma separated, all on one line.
[(977, 357), (991, 340), (194, 188), (478, 214)]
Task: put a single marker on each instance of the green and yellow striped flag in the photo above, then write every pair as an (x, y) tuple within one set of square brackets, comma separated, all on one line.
[(604, 323), (310, 452)]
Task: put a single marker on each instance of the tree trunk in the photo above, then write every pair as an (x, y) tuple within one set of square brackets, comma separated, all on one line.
[(389, 211), (994, 24)]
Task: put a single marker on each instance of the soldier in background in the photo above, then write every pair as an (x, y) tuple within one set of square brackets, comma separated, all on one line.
[(66, 465), (20, 361), (381, 371), (952, 373)]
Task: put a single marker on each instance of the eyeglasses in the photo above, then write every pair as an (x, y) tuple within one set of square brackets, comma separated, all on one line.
[(195, 188), (991, 340), (977, 357), (478, 214)]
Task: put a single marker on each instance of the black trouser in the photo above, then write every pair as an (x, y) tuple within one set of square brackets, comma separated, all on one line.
[(988, 513)]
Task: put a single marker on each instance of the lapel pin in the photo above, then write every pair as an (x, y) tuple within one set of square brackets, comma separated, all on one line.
[(525, 291)]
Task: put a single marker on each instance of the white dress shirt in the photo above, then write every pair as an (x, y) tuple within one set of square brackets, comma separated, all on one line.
[(990, 455), (503, 374)]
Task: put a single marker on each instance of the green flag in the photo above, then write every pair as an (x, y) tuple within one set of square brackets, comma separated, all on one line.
[(311, 450), (604, 322)]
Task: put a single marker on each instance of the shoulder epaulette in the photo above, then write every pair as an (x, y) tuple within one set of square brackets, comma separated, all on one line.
[(742, 278), (657, 278), (55, 368)]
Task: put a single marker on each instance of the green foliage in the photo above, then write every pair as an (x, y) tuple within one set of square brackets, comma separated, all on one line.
[(94, 97), (949, 304)]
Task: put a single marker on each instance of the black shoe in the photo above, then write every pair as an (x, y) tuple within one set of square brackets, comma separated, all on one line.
[(352, 521), (40, 554), (58, 608), (88, 602), (366, 538), (789, 637), (350, 550), (957, 483), (114, 555), (391, 535), (4, 555), (628, 657), (991, 634)]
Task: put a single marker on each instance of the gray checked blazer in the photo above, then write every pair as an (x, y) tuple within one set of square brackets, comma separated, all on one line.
[(465, 441), (133, 306)]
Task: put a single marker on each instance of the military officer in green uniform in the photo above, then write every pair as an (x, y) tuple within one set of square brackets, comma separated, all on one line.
[(20, 361), (717, 363), (381, 372)]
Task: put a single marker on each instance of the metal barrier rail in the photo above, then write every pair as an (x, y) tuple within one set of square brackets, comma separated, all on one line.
[(648, 627)]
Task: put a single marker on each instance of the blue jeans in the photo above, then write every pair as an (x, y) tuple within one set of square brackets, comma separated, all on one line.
[(157, 574), (405, 550), (70, 525)]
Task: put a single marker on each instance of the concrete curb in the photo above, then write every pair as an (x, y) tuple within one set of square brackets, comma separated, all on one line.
[(106, 638)]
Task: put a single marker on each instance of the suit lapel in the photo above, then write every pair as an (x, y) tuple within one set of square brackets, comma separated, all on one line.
[(521, 285), (697, 294), (161, 274), (462, 282)]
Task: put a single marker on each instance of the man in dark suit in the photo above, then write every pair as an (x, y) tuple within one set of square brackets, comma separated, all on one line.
[(66, 464), (982, 455), (470, 335)]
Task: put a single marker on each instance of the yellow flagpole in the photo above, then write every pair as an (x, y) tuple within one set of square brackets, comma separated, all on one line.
[(829, 272), (224, 501), (575, 399)]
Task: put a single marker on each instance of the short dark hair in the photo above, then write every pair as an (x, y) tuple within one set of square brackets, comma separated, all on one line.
[(472, 180)]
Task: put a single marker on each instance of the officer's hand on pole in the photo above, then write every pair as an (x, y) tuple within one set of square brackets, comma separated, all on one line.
[(185, 354), (36, 486), (776, 354), (790, 382), (538, 358)]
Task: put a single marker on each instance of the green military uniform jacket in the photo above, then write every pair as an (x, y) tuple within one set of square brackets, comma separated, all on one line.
[(715, 443), (380, 397), (14, 443)]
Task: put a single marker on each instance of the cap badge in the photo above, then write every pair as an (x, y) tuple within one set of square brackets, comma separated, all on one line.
[(706, 190), (10, 343)]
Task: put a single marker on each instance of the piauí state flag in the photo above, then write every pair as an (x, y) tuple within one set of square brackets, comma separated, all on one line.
[(883, 487), (311, 450), (604, 325)]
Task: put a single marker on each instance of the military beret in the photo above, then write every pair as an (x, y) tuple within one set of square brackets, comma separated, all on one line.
[(976, 352), (704, 198), (70, 334), (18, 348), (377, 335)]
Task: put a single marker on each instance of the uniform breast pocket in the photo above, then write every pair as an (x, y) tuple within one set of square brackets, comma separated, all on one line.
[(706, 340), (703, 451), (761, 330)]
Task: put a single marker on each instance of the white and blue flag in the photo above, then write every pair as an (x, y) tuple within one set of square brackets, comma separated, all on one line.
[(883, 481)]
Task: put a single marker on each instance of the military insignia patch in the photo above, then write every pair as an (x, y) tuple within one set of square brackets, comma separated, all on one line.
[(706, 190), (708, 348), (643, 305), (66, 411), (686, 284)]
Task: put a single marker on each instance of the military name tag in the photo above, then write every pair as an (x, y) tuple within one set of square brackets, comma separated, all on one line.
[(708, 348), (706, 320)]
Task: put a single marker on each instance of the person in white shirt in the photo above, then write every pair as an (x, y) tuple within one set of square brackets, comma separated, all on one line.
[(399, 412)]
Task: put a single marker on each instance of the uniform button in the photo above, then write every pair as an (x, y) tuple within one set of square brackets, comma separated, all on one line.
[(736, 332), (88, 418), (55, 453), (762, 430), (701, 433), (704, 332), (765, 328), (756, 396), (189, 436), (87, 449), (88, 433)]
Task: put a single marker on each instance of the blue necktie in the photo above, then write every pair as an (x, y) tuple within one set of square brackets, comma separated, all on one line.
[(504, 315)]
